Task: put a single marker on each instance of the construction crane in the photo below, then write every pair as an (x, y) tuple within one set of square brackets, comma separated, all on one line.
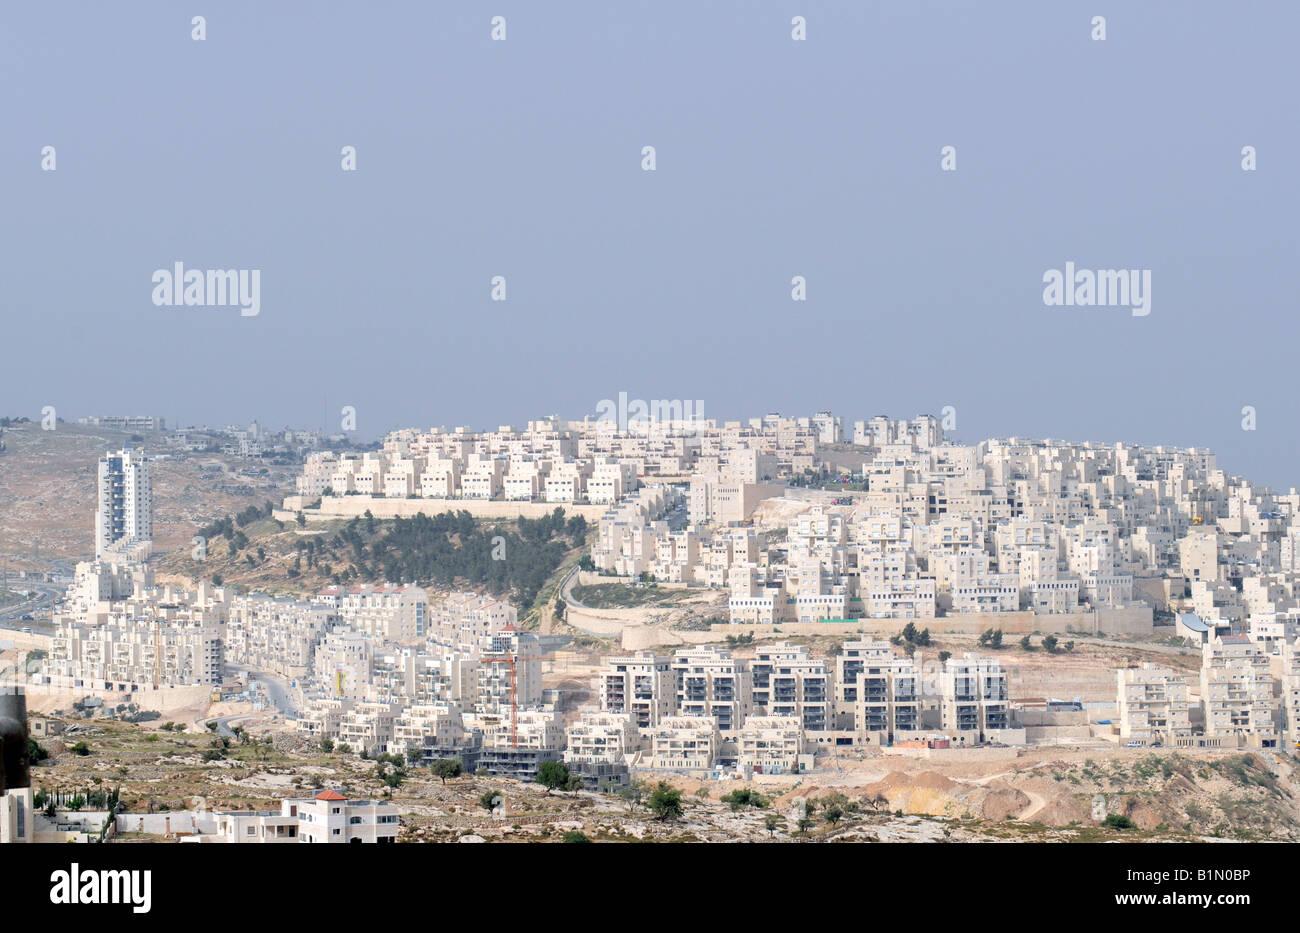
[(514, 698)]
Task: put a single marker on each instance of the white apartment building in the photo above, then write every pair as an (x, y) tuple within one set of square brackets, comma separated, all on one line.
[(368, 726), (127, 653), (602, 738), (878, 695), (343, 664), (789, 682), (427, 729), (640, 685), (1237, 691), (276, 634), (710, 682), (510, 673), (330, 817), (1153, 704), (770, 744), (1291, 695), (322, 718), (124, 509), (387, 611), (685, 743), (975, 704)]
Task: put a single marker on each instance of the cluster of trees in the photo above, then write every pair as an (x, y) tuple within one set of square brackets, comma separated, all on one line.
[(1051, 644), (911, 637), (391, 769), (745, 797), (451, 548), (554, 775), (227, 527), (97, 798), (991, 638)]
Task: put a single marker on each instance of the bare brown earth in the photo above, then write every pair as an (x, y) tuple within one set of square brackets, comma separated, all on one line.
[(1055, 795), (47, 492)]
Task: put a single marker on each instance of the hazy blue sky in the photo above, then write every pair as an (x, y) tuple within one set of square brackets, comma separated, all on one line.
[(775, 158)]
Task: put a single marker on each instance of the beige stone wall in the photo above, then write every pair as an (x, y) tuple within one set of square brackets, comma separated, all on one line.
[(335, 507)]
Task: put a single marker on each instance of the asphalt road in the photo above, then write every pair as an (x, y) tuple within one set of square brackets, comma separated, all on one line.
[(12, 616), (273, 688)]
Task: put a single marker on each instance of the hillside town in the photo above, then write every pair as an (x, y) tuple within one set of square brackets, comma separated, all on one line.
[(1003, 539)]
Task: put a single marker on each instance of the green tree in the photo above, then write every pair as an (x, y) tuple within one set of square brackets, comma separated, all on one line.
[(489, 800), (35, 752), (665, 802), (327, 745), (996, 641), (944, 656), (1049, 644), (447, 768), (553, 775), (744, 797), (81, 748), (833, 814), (1025, 644), (575, 835), (772, 822), (301, 519), (1118, 821)]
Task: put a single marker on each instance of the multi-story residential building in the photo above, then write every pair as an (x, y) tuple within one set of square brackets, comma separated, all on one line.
[(787, 681), (368, 727), (433, 731), (275, 634), (975, 703), (770, 744), (386, 611), (332, 818), (510, 673), (602, 738), (880, 700), (124, 510), (343, 664), (125, 654), (641, 685), (710, 682), (685, 743), (321, 718), (1237, 692), (1153, 705), (1291, 695)]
